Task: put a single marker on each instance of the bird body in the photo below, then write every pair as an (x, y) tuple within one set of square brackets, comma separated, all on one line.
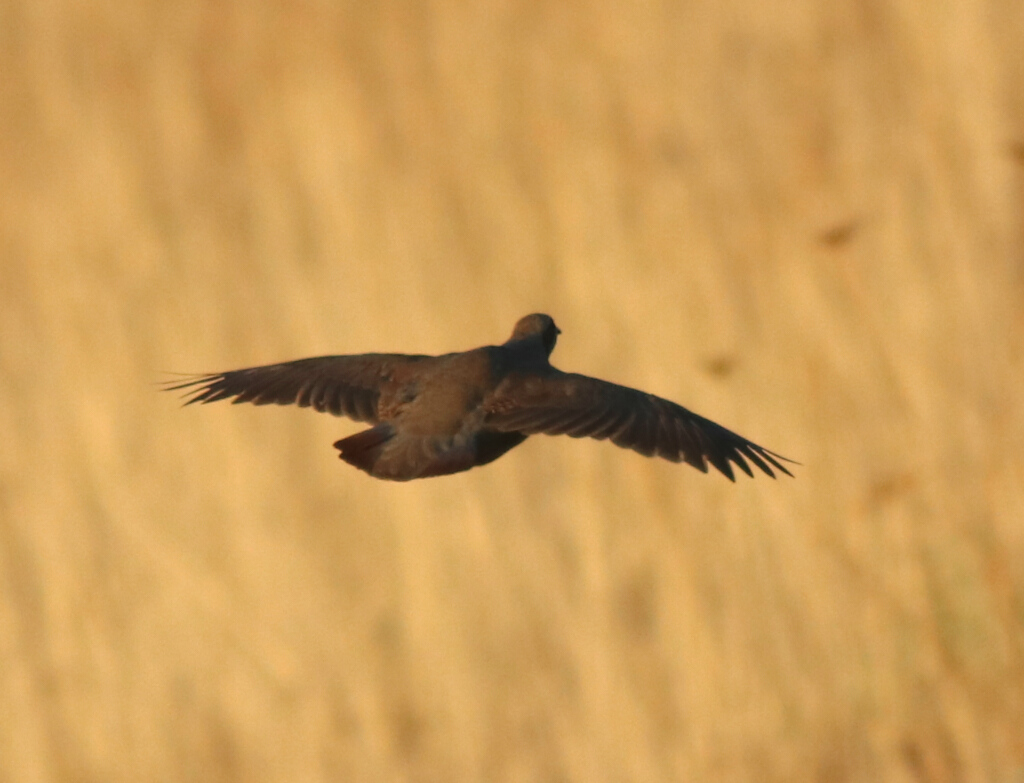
[(437, 415)]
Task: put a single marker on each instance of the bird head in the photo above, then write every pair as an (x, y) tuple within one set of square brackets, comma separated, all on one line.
[(537, 326)]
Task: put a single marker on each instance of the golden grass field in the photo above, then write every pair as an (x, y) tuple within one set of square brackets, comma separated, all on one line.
[(803, 220)]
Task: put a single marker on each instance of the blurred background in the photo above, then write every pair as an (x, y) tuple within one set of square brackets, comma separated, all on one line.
[(803, 220)]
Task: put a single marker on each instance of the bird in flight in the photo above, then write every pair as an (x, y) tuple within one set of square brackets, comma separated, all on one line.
[(436, 415)]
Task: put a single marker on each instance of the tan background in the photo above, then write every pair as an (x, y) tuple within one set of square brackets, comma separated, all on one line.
[(803, 219)]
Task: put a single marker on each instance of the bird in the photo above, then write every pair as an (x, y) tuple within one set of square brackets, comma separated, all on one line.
[(439, 415)]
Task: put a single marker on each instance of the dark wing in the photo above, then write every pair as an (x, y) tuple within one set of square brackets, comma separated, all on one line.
[(581, 407), (341, 385)]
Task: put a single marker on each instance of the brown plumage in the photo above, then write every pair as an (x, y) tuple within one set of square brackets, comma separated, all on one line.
[(435, 415)]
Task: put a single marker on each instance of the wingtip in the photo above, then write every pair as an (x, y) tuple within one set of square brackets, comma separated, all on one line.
[(737, 459), (196, 387), (723, 466), (777, 460)]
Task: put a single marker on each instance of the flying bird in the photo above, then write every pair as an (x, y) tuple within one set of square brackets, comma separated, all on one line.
[(436, 415)]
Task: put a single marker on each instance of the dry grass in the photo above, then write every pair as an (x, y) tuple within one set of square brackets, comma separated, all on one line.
[(801, 219)]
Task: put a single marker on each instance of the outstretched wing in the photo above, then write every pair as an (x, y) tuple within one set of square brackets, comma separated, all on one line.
[(580, 407), (340, 385)]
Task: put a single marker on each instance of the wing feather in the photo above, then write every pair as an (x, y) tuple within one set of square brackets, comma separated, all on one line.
[(565, 403), (340, 385), (609, 423), (756, 459), (585, 424)]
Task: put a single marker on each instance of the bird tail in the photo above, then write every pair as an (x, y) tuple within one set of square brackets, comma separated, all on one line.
[(364, 448)]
